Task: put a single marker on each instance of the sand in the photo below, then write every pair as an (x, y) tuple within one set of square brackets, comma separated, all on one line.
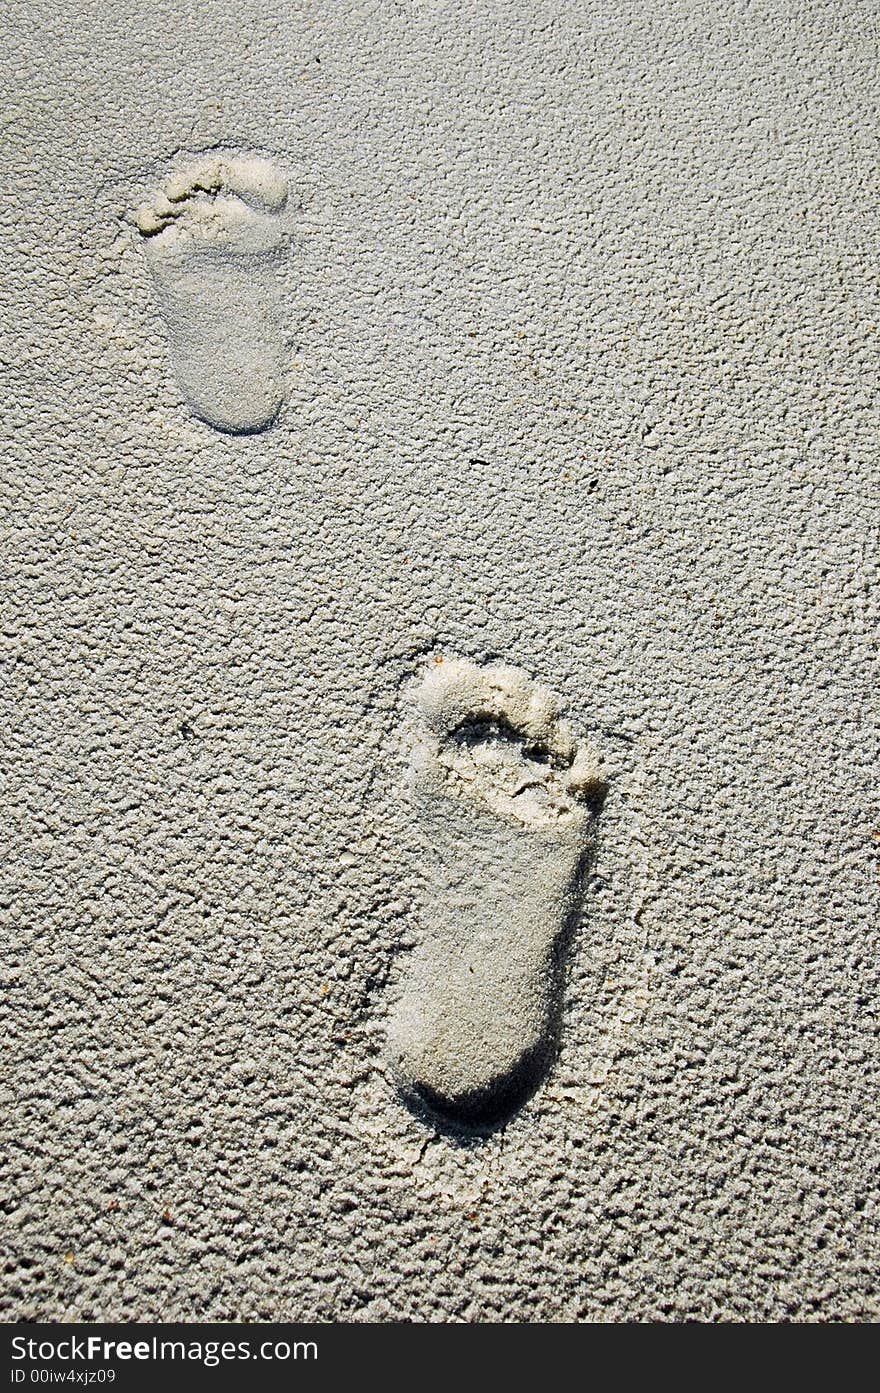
[(533, 335)]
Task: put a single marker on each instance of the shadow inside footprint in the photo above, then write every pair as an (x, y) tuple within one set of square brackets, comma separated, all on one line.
[(497, 1099)]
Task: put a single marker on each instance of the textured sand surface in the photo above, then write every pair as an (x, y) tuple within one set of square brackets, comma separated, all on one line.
[(579, 312)]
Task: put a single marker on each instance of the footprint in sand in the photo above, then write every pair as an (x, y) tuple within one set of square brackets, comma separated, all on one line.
[(507, 801), (212, 237)]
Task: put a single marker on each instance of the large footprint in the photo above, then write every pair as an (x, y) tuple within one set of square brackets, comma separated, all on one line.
[(211, 236), (507, 802)]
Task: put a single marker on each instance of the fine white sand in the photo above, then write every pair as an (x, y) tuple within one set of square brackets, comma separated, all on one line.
[(343, 342)]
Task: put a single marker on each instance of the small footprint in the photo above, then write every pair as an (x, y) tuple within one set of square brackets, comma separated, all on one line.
[(507, 801), (212, 237)]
